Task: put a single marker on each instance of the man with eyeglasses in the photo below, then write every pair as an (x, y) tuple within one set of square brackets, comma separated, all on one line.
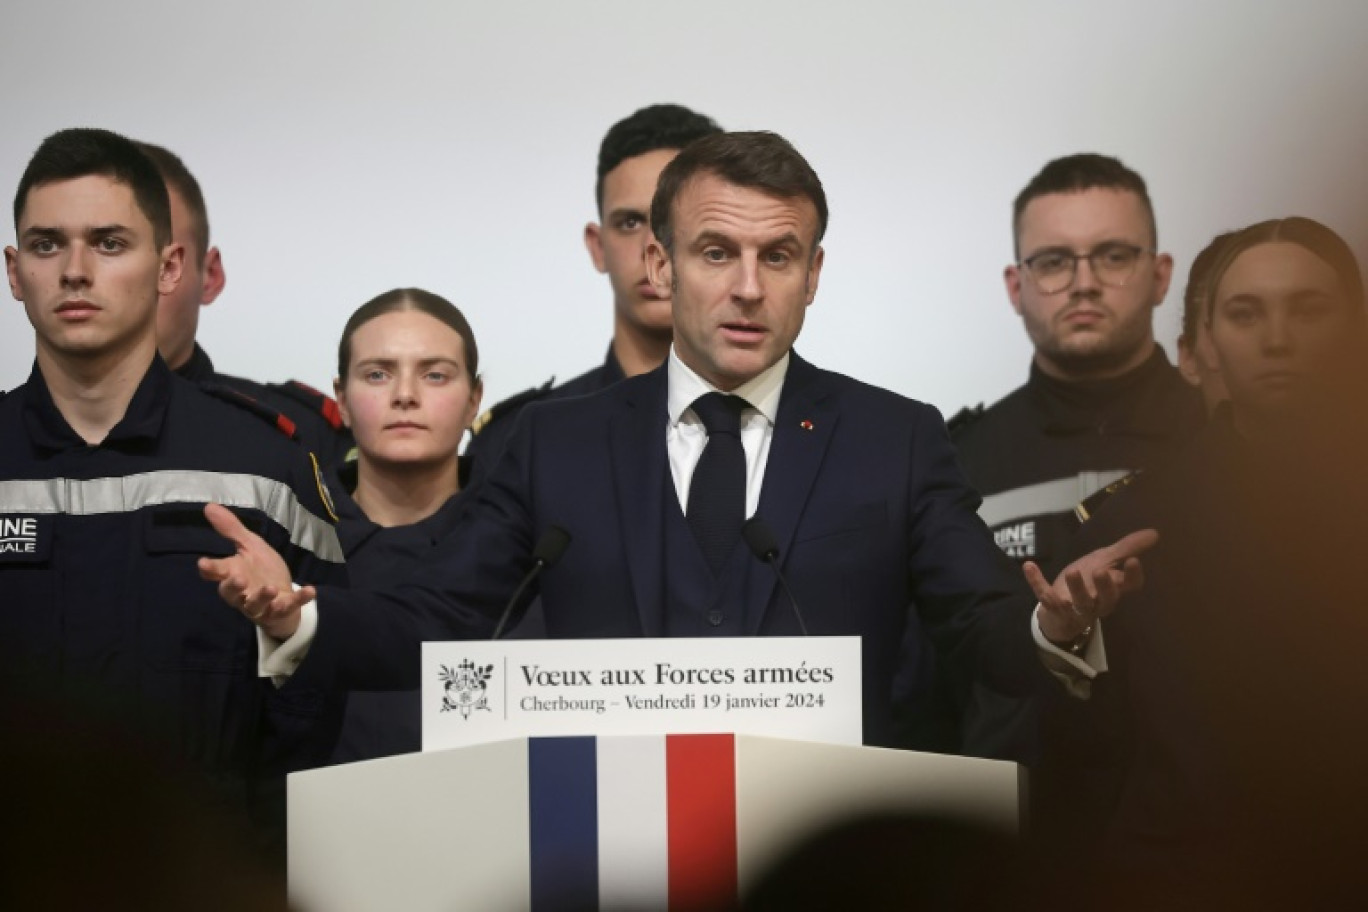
[(1101, 401)]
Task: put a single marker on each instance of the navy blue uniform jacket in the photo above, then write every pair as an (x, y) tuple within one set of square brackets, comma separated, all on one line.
[(382, 723), (862, 491), (102, 605)]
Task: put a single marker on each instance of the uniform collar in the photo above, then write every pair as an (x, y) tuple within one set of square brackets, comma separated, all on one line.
[(199, 368), (355, 528), (612, 370), (1139, 401), (142, 420), (341, 484)]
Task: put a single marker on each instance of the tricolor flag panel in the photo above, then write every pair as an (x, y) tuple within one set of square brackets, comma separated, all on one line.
[(622, 822), (633, 822)]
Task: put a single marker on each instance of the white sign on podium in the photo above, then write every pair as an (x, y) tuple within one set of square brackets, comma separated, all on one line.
[(802, 688)]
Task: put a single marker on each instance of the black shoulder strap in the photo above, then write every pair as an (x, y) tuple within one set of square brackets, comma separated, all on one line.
[(510, 405), (321, 403), (964, 417), (249, 404)]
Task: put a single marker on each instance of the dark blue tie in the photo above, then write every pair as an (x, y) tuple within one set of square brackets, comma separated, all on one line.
[(717, 492)]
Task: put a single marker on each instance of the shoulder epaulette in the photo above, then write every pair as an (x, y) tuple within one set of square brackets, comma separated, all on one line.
[(1089, 505), (322, 403), (964, 417), (511, 404), (255, 406)]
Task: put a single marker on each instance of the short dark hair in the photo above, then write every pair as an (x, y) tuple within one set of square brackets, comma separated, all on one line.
[(85, 151), (1199, 285), (179, 178), (1074, 174), (1304, 232), (661, 126), (757, 160), (397, 299)]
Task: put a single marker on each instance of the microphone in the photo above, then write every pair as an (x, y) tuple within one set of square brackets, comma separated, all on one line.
[(549, 549), (761, 542)]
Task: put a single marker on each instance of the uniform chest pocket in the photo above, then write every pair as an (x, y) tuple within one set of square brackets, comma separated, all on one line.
[(183, 624)]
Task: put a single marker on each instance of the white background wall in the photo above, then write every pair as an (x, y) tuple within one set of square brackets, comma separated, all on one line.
[(347, 148)]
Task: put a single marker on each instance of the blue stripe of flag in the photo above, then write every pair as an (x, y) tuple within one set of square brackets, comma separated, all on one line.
[(563, 823)]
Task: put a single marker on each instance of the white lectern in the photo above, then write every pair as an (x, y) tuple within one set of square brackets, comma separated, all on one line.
[(634, 822)]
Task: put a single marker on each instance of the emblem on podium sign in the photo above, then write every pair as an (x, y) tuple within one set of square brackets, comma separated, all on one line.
[(466, 687)]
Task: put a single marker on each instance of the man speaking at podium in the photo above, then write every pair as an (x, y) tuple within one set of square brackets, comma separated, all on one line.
[(654, 477)]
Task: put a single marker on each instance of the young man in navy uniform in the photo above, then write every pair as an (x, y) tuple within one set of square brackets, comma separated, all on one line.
[(106, 458)]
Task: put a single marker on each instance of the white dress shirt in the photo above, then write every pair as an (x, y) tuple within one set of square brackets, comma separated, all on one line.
[(685, 436)]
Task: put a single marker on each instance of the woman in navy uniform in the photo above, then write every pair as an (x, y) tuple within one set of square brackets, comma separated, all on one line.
[(408, 388)]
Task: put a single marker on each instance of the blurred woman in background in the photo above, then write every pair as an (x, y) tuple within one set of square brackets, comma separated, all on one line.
[(1240, 672)]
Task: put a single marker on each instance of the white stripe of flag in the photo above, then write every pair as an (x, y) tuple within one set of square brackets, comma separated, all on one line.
[(632, 823)]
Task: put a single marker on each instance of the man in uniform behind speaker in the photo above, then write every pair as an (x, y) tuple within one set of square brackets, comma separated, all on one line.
[(105, 458), (631, 157), (310, 417), (1101, 400)]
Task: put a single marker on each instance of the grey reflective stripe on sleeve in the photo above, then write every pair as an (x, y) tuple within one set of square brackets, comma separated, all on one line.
[(1058, 496), (86, 497)]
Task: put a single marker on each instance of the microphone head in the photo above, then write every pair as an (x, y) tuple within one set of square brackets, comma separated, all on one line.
[(551, 546), (760, 539)]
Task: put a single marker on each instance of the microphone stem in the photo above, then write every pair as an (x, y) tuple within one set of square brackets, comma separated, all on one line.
[(517, 596), (774, 562)]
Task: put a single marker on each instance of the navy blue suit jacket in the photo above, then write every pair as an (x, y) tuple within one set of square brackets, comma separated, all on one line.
[(862, 491)]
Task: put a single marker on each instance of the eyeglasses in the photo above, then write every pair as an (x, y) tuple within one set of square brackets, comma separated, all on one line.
[(1054, 270)]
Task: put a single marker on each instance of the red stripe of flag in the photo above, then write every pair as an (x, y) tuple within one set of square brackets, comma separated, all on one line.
[(701, 796)]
